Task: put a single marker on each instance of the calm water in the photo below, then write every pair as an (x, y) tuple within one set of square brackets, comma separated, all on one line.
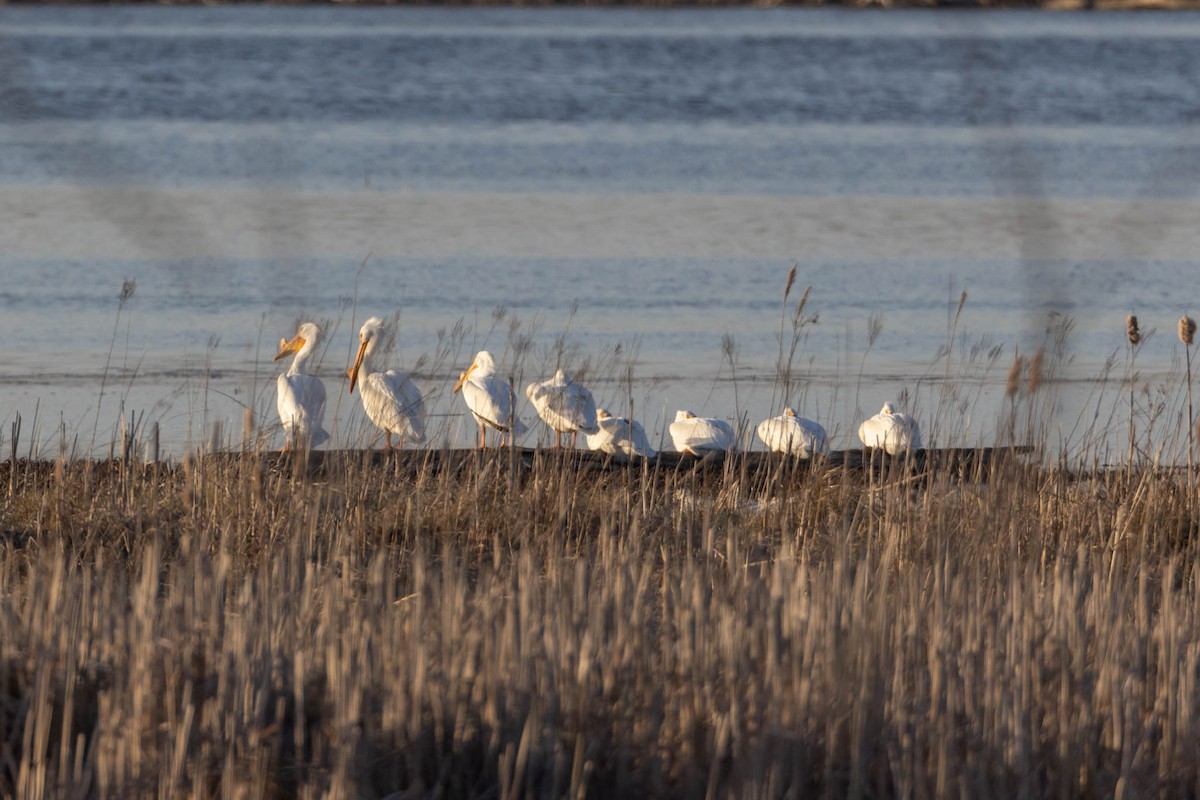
[(631, 184)]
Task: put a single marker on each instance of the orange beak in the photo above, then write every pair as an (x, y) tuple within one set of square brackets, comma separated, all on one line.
[(463, 378), (287, 348), (353, 372)]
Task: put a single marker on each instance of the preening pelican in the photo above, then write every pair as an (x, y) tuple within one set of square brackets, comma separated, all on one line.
[(390, 399), (564, 405), (489, 397), (695, 435), (789, 433), (301, 397), (619, 437), (890, 431)]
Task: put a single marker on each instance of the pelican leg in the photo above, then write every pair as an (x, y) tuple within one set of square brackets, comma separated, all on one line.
[(388, 439), (482, 437), (557, 439)]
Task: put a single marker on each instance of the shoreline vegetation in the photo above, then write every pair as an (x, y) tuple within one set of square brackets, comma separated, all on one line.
[(514, 623), (1049, 5), (535, 623), (230, 626)]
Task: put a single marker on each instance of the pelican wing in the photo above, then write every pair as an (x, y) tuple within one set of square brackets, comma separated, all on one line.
[(641, 444), (564, 406), (698, 433), (618, 437), (795, 435), (893, 433), (490, 400), (300, 401), (394, 403)]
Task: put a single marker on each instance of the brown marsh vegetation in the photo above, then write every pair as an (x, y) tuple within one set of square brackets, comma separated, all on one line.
[(241, 627), (436, 625)]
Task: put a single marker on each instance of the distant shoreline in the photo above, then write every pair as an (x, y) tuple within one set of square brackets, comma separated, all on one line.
[(1046, 5)]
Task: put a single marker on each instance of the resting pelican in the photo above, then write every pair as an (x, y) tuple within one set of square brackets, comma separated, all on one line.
[(391, 400), (892, 432), (564, 405), (619, 437), (301, 397), (695, 435), (789, 433), (489, 397)]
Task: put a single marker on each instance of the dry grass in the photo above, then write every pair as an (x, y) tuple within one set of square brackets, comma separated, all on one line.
[(232, 628)]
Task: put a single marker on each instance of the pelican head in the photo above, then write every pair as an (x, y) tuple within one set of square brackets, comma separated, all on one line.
[(683, 416), (368, 334), (306, 338), (888, 408), (602, 413), (483, 362), (789, 412)]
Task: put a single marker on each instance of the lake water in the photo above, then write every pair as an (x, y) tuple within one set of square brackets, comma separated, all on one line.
[(616, 189)]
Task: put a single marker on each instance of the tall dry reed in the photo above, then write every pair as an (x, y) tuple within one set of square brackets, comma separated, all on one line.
[(445, 625)]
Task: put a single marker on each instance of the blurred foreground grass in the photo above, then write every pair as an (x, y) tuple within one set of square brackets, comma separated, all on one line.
[(230, 627)]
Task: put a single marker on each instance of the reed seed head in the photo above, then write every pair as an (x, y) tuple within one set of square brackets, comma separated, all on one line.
[(1013, 384), (128, 288), (791, 279), (1187, 330), (1035, 370), (1132, 331)]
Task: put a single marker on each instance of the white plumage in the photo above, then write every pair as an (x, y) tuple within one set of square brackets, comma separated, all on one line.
[(789, 433), (619, 437), (564, 405), (695, 435), (390, 399), (300, 397), (891, 432), (489, 398)]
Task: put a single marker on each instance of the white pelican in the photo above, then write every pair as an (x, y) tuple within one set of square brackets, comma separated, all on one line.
[(489, 397), (890, 431), (564, 405), (695, 435), (390, 399), (301, 397), (619, 437), (789, 433)]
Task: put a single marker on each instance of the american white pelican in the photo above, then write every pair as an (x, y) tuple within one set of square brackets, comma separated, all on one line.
[(619, 437), (489, 397), (695, 435), (300, 397), (564, 405), (390, 399), (789, 433), (890, 431)]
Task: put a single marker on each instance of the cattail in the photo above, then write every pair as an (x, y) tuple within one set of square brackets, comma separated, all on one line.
[(1187, 330), (1131, 330), (1035, 370), (1013, 385)]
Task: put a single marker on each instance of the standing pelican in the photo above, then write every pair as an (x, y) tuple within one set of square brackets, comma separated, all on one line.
[(789, 433), (619, 437), (489, 397), (564, 405), (301, 397), (891, 432), (695, 435), (390, 399)]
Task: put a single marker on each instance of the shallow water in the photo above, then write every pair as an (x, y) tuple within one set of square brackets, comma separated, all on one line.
[(606, 177)]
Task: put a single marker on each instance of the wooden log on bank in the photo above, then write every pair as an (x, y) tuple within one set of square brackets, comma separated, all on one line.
[(962, 461)]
